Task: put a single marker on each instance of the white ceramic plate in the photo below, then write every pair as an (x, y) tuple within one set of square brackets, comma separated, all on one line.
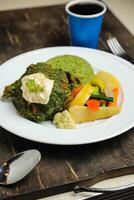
[(89, 132)]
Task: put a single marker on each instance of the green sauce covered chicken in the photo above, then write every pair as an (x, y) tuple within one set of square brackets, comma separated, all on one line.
[(45, 88)]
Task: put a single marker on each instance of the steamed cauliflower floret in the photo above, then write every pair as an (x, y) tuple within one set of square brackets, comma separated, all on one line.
[(64, 120)]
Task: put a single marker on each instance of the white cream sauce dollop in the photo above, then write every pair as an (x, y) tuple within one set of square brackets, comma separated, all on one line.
[(42, 96)]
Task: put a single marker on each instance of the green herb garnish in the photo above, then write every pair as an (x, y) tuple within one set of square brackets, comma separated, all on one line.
[(33, 87)]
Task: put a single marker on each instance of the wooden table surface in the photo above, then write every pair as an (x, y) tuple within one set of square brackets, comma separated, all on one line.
[(61, 166)]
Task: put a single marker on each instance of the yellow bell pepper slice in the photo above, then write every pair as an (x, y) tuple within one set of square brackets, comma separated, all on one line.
[(100, 83), (82, 97), (109, 79)]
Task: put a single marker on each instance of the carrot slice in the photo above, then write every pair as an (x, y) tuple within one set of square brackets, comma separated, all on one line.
[(75, 91), (93, 104), (116, 94)]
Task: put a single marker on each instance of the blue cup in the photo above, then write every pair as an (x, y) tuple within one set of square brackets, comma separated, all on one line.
[(85, 29)]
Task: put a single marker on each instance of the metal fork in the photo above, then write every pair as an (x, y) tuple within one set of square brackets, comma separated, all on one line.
[(118, 50), (127, 194), (124, 195), (117, 193)]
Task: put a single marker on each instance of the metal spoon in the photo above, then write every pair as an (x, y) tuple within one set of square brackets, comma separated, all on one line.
[(18, 166)]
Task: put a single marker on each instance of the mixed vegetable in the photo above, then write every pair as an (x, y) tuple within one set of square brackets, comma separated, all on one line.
[(95, 100)]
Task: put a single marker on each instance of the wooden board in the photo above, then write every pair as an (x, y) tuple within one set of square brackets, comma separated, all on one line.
[(61, 166)]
